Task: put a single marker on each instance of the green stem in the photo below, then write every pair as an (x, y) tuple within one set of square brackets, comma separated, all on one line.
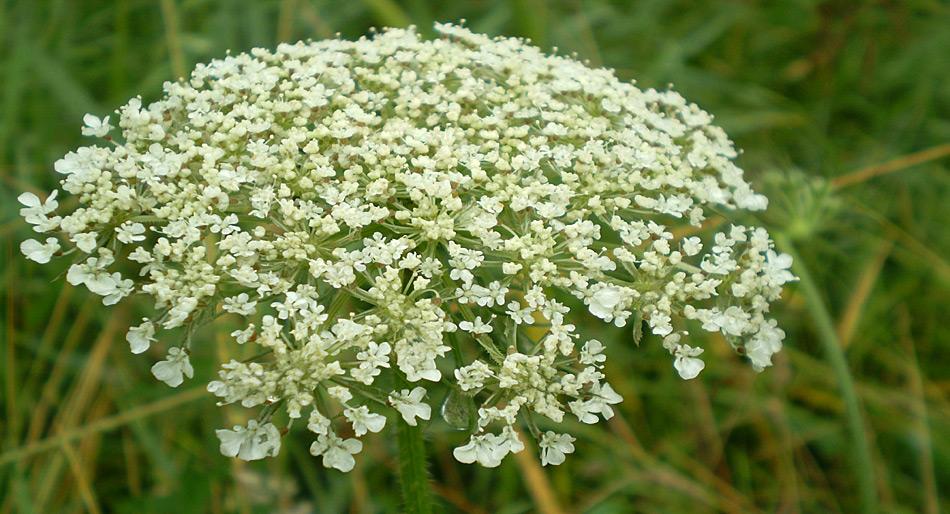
[(413, 474), (835, 355)]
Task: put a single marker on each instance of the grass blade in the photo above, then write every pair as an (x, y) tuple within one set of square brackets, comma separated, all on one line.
[(103, 425)]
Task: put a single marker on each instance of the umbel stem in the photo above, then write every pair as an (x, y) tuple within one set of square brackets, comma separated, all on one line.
[(864, 466), (413, 472)]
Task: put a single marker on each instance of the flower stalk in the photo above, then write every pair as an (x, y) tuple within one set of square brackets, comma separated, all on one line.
[(832, 347), (413, 470)]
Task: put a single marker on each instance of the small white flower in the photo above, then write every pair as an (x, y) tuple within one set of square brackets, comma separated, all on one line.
[(692, 246), (141, 256), (375, 355), (113, 289), (473, 376), (602, 397), (318, 423), (410, 405), (776, 268), (85, 241), (240, 304), (764, 344), (592, 352), (180, 312), (364, 421), (476, 327), (35, 212), (487, 449), (554, 447), (95, 126), (686, 363), (340, 393), (140, 337), (603, 302), (39, 252), (175, 366), (253, 442), (33, 206), (130, 232), (511, 268), (521, 316), (337, 453), (510, 439), (245, 335)]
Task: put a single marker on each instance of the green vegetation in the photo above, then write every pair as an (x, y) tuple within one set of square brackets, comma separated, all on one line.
[(843, 111)]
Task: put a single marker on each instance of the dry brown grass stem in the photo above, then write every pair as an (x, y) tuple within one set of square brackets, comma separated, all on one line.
[(892, 166)]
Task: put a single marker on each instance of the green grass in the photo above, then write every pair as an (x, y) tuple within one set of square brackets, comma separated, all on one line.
[(853, 416)]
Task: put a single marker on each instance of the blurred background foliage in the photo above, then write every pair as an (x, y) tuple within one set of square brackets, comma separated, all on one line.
[(843, 111)]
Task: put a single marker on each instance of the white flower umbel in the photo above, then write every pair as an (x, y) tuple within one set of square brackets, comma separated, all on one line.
[(396, 210)]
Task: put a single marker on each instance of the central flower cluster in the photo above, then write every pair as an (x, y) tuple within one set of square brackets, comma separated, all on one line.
[(393, 215)]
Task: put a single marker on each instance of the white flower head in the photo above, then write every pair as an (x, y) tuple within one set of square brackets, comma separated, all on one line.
[(692, 246), (473, 376), (461, 232), (342, 394)]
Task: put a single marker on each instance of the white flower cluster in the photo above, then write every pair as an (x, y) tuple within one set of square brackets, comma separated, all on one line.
[(394, 215)]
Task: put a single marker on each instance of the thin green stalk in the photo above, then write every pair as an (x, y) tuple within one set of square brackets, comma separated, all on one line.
[(835, 355), (413, 474)]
